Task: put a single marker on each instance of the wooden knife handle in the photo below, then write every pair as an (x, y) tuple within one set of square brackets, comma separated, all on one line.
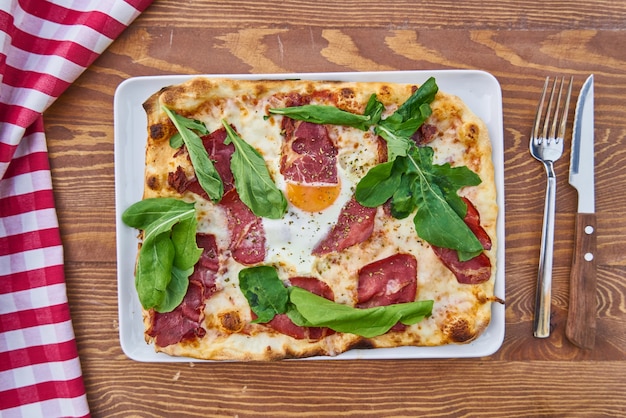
[(581, 318)]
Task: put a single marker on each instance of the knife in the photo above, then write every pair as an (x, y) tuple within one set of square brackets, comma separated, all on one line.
[(581, 318)]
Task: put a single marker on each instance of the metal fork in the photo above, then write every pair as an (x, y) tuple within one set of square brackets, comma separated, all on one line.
[(546, 145)]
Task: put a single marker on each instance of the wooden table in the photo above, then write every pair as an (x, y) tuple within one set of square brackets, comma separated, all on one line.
[(518, 42)]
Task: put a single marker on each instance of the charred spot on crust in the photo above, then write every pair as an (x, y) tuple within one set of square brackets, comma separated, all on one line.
[(231, 321), (153, 182), (156, 131), (347, 93), (459, 331), (470, 132), (385, 93)]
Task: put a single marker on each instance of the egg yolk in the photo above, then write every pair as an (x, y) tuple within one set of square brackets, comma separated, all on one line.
[(312, 198)]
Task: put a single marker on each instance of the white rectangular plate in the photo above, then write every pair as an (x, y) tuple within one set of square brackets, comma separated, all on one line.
[(479, 90)]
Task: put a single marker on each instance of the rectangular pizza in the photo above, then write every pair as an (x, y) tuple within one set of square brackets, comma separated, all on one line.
[(293, 218)]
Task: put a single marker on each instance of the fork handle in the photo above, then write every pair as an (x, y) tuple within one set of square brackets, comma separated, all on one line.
[(544, 275)]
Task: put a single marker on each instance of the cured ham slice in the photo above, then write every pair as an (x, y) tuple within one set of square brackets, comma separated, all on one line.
[(478, 269), (283, 324), (205, 270), (388, 281), (247, 235), (183, 323), (354, 225), (308, 155), (308, 163), (474, 271), (472, 219), (219, 153)]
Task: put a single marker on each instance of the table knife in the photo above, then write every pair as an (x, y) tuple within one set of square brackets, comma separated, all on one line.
[(581, 317)]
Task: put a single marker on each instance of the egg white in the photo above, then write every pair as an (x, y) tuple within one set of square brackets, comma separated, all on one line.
[(291, 239)]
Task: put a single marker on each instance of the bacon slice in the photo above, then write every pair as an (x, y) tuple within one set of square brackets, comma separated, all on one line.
[(478, 269), (247, 235), (308, 153), (183, 323), (283, 324), (354, 225)]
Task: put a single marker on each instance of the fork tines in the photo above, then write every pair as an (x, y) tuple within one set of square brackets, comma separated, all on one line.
[(549, 115)]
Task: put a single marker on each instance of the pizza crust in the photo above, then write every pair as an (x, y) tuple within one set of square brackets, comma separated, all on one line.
[(461, 312)]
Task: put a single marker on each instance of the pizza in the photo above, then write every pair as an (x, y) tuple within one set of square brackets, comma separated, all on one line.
[(294, 218)]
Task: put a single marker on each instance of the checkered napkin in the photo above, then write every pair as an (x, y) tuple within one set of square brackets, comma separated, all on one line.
[(44, 47)]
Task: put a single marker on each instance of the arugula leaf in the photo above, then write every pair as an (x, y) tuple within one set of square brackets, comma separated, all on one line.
[(156, 215), (168, 251), (378, 185), (265, 292), (176, 290), (416, 106), (322, 114), (436, 221), (187, 252), (252, 179), (176, 141), (397, 145), (398, 128), (315, 311), (207, 175), (403, 199), (450, 179), (153, 272), (374, 109), (414, 182), (268, 296)]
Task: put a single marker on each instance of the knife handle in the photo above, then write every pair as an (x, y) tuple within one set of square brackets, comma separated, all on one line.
[(581, 318)]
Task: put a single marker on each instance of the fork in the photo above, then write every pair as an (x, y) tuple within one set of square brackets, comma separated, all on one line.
[(546, 145)]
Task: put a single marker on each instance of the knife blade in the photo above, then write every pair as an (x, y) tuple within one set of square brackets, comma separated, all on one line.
[(581, 317)]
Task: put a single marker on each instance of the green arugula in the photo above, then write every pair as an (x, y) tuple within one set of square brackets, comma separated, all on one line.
[(168, 251), (252, 179), (398, 128), (268, 296), (413, 182), (325, 115), (310, 310), (409, 178), (207, 175)]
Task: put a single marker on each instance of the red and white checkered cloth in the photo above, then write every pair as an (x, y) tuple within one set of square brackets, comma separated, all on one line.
[(44, 47)]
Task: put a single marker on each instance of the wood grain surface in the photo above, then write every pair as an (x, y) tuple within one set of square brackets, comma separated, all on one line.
[(519, 43)]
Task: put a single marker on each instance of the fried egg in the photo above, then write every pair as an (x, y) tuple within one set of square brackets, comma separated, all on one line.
[(312, 212)]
